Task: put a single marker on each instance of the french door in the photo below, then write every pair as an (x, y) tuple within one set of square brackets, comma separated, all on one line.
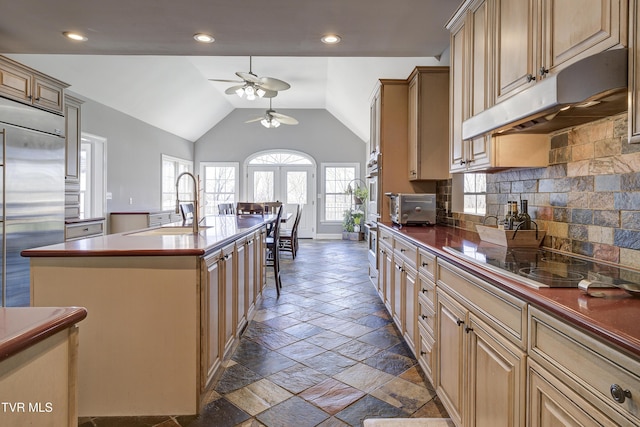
[(290, 184)]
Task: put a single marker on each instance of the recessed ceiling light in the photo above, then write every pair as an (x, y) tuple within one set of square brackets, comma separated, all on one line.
[(75, 36), (204, 38), (331, 39)]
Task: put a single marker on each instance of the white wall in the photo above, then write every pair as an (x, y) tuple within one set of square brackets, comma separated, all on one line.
[(134, 150), (319, 134)]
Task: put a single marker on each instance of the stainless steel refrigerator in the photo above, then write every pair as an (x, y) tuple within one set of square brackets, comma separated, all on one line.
[(32, 174)]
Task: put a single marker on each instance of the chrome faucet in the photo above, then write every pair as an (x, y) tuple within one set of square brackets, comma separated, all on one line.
[(195, 221)]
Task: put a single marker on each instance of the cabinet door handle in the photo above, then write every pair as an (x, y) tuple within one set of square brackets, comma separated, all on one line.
[(424, 291), (424, 316), (619, 394), (462, 162), (422, 353), (530, 78), (459, 322), (425, 264), (543, 71), (85, 229), (403, 250), (468, 329)]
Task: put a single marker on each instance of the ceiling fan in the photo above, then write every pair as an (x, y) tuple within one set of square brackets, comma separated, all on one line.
[(271, 119), (252, 85)]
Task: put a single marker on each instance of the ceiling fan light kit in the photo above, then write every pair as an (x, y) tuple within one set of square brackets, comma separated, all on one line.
[(271, 119), (253, 86), (270, 123)]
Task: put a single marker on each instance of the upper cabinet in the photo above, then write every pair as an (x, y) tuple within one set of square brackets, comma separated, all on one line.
[(72, 134), (634, 71), (537, 37), (502, 47), (26, 85), (427, 111)]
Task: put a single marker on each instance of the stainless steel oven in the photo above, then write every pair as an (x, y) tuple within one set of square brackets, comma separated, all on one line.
[(373, 207), (372, 252)]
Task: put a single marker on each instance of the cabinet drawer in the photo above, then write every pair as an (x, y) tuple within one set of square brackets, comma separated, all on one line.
[(427, 263), (385, 237), (427, 290), (501, 310), (426, 347), (78, 231), (407, 251), (161, 218), (426, 316), (587, 364)]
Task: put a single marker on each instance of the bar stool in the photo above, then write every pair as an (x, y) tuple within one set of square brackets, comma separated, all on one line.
[(273, 258)]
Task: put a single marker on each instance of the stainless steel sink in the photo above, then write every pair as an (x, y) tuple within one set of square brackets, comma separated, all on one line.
[(167, 231)]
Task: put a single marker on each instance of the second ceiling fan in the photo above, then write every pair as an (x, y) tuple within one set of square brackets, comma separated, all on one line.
[(271, 119), (254, 86)]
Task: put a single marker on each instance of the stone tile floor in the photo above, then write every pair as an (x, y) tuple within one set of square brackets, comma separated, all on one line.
[(325, 353)]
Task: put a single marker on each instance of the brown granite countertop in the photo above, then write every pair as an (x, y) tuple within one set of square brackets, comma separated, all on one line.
[(216, 231), (615, 318), (22, 327)]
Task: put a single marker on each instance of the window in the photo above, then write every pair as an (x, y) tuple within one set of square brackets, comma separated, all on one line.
[(280, 158), (220, 185), (336, 178), (92, 176), (475, 193), (172, 167)]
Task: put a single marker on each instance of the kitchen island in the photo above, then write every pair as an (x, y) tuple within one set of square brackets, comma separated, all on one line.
[(165, 305)]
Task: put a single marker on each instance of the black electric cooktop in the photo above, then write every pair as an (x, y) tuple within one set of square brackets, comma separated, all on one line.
[(540, 268)]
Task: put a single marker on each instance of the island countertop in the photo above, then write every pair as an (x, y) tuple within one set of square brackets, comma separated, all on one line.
[(616, 318), (215, 231), (22, 327)]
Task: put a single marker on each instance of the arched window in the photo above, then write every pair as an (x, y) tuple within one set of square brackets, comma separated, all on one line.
[(280, 158)]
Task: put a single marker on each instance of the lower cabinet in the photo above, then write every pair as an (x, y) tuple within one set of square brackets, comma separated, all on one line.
[(230, 290), (211, 355), (577, 378), (480, 375)]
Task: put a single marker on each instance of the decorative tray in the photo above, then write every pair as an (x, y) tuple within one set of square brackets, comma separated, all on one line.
[(511, 238)]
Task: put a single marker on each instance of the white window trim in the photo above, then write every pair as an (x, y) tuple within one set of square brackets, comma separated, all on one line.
[(167, 157), (234, 165), (323, 167)]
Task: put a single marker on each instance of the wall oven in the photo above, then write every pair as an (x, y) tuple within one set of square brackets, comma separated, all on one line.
[(373, 208)]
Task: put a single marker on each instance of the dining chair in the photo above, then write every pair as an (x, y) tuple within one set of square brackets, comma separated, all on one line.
[(271, 207), (249, 208), (289, 237), (226, 209), (273, 257), (186, 209)]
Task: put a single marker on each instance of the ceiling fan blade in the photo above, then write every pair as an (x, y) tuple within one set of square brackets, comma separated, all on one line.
[(287, 120), (254, 120), (226, 81), (269, 93), (248, 77), (232, 89), (273, 84)]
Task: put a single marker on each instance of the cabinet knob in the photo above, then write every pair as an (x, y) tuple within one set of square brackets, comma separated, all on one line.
[(425, 264), (422, 353), (619, 394), (424, 291), (468, 329), (543, 71), (459, 322), (402, 250), (424, 316), (462, 162), (530, 78)]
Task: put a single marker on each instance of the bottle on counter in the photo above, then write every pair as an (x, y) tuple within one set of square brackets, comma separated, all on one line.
[(524, 215), (508, 216)]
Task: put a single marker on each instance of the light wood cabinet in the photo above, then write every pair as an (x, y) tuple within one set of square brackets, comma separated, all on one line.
[(390, 130), (229, 297), (252, 277), (480, 360), (457, 91), (241, 285), (634, 71), (428, 96), (605, 378), (29, 86), (120, 222), (211, 355), (72, 137), (535, 38)]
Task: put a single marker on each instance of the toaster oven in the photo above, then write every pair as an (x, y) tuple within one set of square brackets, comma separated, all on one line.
[(412, 209)]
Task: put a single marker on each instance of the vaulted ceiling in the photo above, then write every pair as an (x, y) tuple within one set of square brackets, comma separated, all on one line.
[(140, 57)]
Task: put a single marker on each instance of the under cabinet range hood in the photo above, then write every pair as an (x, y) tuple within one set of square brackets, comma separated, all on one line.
[(590, 89)]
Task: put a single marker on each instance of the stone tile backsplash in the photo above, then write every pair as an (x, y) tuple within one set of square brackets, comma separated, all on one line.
[(587, 199)]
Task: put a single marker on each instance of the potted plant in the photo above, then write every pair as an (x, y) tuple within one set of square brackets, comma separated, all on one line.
[(351, 224)]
